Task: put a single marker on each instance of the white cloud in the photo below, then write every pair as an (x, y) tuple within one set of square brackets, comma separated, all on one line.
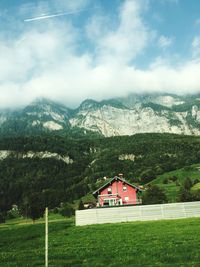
[(165, 42), (127, 40), (47, 61)]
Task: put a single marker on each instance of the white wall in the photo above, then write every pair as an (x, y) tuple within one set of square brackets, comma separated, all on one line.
[(138, 213)]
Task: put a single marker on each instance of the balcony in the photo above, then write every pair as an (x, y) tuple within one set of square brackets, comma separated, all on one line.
[(115, 201)]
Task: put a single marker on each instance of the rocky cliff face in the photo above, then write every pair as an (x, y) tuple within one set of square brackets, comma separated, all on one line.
[(141, 114), (4, 154), (159, 113)]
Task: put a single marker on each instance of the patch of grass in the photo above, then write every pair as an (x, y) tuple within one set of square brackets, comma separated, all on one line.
[(23, 221), (196, 187), (158, 243)]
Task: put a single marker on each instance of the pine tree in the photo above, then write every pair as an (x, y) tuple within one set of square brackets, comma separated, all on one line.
[(80, 205)]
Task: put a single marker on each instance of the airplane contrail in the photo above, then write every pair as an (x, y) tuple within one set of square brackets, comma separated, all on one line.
[(54, 15)]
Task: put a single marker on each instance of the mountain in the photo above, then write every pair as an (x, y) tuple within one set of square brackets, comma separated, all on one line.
[(42, 115), (140, 114), (136, 113)]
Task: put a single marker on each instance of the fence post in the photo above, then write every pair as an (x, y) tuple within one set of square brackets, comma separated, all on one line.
[(46, 237)]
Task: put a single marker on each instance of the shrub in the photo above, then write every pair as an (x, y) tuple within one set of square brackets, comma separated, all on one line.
[(184, 193), (196, 181), (2, 218), (56, 210), (67, 210), (13, 213), (33, 206), (80, 205), (188, 168), (165, 181), (187, 183), (195, 196), (154, 195), (147, 176), (174, 178)]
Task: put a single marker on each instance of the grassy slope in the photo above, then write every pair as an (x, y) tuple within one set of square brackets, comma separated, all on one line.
[(172, 188), (196, 187), (160, 243)]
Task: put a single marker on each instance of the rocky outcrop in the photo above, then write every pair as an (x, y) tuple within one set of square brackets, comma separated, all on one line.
[(31, 155)]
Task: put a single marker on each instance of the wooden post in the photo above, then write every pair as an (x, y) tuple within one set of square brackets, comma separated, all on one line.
[(46, 237)]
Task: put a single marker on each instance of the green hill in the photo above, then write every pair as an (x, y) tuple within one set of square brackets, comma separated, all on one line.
[(160, 243), (172, 181)]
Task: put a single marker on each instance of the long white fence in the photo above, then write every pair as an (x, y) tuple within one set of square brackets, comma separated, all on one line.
[(138, 213)]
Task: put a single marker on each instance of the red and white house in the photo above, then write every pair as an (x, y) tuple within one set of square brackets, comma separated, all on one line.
[(117, 191)]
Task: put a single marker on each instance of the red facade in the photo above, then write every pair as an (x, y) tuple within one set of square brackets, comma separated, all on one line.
[(117, 192)]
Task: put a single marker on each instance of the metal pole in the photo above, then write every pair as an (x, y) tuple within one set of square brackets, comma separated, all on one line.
[(46, 237)]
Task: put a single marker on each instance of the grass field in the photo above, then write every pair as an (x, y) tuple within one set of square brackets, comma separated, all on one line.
[(159, 243)]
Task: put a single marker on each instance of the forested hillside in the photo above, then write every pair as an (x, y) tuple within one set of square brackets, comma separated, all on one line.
[(26, 175)]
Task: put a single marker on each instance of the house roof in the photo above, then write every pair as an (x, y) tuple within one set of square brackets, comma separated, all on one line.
[(111, 180)]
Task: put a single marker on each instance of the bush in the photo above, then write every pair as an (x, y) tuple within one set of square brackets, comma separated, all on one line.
[(33, 206), (80, 205), (196, 181), (147, 176), (13, 213), (2, 218), (187, 183), (184, 193), (165, 181), (188, 168), (195, 196), (154, 195), (56, 210), (174, 178), (67, 210)]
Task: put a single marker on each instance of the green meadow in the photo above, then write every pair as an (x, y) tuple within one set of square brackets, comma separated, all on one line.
[(156, 243)]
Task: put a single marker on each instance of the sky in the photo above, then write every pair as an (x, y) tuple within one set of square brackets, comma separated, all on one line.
[(69, 50)]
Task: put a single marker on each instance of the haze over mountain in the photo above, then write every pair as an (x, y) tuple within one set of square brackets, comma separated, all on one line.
[(137, 113)]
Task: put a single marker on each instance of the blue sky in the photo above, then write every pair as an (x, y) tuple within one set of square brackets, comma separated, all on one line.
[(70, 50)]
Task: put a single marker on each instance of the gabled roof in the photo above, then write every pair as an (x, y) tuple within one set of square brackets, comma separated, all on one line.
[(116, 178)]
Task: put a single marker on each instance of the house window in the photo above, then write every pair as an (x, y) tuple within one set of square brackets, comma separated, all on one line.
[(106, 202), (109, 190), (124, 188), (126, 198), (109, 202)]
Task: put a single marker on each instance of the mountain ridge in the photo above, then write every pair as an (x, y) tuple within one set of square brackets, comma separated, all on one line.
[(144, 113)]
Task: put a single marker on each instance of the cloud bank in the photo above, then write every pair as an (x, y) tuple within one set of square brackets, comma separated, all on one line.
[(68, 63)]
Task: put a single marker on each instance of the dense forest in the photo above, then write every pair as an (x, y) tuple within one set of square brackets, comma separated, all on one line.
[(52, 181)]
